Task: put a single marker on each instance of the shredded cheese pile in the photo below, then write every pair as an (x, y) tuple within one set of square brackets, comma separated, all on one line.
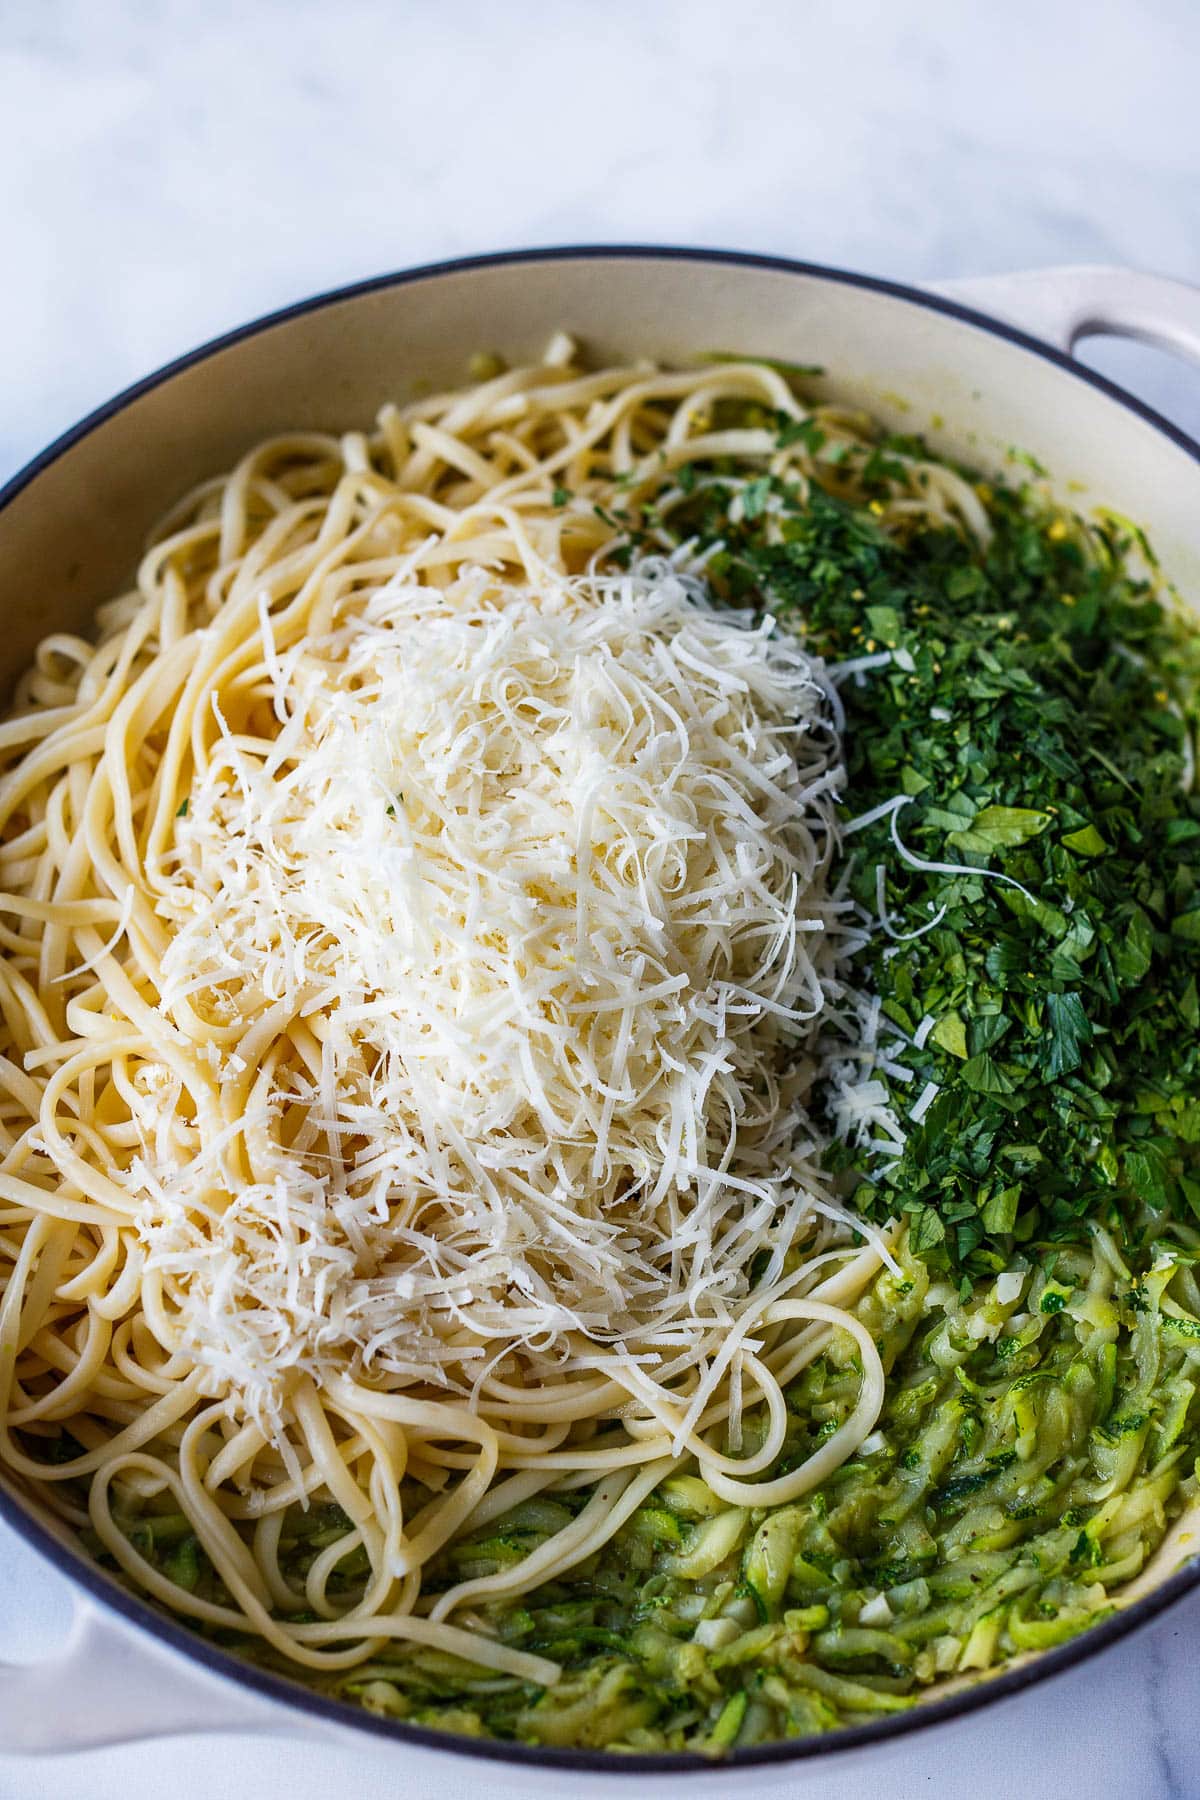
[(539, 880)]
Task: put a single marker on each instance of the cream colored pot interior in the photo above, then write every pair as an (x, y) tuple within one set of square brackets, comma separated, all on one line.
[(71, 538)]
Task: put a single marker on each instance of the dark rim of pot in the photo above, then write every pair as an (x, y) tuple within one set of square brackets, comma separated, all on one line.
[(925, 1713)]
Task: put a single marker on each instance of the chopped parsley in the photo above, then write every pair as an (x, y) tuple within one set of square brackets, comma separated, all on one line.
[(1030, 726)]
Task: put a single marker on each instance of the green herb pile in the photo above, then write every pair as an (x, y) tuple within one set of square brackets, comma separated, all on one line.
[(1032, 722)]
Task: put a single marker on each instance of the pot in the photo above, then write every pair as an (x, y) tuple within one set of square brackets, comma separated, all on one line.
[(980, 366)]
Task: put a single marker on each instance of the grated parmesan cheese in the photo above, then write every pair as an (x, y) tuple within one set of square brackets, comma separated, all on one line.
[(507, 938), (925, 1100)]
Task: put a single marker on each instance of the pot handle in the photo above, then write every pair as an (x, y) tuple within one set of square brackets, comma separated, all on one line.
[(1064, 305), (108, 1685)]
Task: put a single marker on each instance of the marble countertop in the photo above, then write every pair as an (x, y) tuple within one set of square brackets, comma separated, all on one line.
[(169, 170)]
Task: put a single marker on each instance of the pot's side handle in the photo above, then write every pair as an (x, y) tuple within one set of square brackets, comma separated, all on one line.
[(108, 1685), (1064, 305)]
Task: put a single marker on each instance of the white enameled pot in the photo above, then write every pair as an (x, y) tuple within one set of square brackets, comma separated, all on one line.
[(981, 366)]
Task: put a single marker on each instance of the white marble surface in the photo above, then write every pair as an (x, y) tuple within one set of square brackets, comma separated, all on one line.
[(169, 169)]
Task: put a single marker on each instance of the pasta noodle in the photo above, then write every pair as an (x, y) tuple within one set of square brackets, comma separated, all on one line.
[(125, 1052)]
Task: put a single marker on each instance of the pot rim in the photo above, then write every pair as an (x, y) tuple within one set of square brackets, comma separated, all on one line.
[(931, 300), (293, 1693)]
